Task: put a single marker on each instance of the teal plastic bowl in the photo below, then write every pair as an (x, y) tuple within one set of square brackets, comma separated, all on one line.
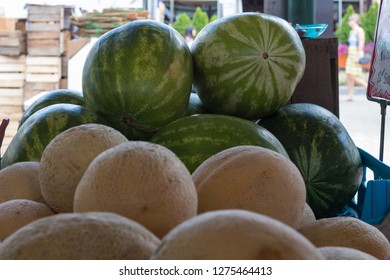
[(310, 31)]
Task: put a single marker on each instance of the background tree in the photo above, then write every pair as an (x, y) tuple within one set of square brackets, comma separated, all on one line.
[(199, 19), (369, 22), (182, 21), (213, 17), (342, 31)]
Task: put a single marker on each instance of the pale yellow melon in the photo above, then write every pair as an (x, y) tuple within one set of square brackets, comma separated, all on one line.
[(347, 232), (307, 216), (143, 181), (66, 158), (20, 181), (17, 213), (252, 178), (234, 234), (344, 253), (81, 236)]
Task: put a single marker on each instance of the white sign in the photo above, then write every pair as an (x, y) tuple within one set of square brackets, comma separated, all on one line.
[(379, 79)]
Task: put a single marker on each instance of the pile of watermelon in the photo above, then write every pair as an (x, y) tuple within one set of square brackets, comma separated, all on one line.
[(139, 79)]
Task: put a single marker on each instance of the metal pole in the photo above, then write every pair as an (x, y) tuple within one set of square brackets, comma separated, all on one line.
[(383, 118), (172, 11), (340, 11)]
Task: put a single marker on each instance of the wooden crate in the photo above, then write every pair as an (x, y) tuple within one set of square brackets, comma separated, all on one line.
[(320, 84), (45, 18), (47, 43), (14, 114), (12, 24), (31, 89), (12, 77), (43, 69), (13, 43)]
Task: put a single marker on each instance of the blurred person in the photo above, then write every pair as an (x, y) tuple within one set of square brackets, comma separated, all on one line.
[(189, 35), (353, 69)]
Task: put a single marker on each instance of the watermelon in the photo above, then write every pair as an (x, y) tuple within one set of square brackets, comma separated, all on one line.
[(38, 130), (320, 146), (196, 138), (247, 65), (69, 96), (195, 106), (139, 77)]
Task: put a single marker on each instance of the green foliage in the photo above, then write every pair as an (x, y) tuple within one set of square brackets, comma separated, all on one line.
[(200, 19), (213, 17), (368, 22), (181, 23), (342, 31)]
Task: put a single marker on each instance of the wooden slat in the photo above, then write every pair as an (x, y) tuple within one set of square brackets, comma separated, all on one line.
[(32, 89), (11, 99), (44, 17), (43, 69), (42, 60), (31, 26), (12, 83), (50, 78), (12, 59), (12, 68), (11, 91), (44, 43), (45, 9), (10, 42), (43, 35), (11, 76)]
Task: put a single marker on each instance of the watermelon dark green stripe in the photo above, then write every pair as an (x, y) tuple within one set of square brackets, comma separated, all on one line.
[(247, 65), (39, 129), (69, 96), (321, 148), (195, 138), (139, 77)]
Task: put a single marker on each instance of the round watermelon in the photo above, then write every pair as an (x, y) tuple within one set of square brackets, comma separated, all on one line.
[(139, 77), (38, 130), (320, 146), (196, 138), (247, 65), (68, 96)]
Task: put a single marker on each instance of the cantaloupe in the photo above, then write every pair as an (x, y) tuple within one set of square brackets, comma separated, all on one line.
[(20, 180), (307, 216), (143, 181), (344, 253), (80, 236), (17, 213), (347, 232), (234, 234), (251, 178), (66, 158)]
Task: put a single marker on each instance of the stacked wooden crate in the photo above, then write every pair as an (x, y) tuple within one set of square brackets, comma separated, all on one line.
[(12, 73), (48, 32), (12, 77)]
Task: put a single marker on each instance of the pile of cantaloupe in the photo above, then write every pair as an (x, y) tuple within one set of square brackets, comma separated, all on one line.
[(96, 195)]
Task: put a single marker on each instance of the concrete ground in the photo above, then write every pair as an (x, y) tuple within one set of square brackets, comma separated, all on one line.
[(362, 119)]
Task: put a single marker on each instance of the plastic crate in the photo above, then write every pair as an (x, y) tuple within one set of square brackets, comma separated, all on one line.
[(373, 198)]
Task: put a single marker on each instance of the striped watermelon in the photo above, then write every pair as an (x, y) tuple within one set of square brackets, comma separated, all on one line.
[(38, 130), (196, 138), (69, 96), (139, 77), (321, 148), (247, 65)]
